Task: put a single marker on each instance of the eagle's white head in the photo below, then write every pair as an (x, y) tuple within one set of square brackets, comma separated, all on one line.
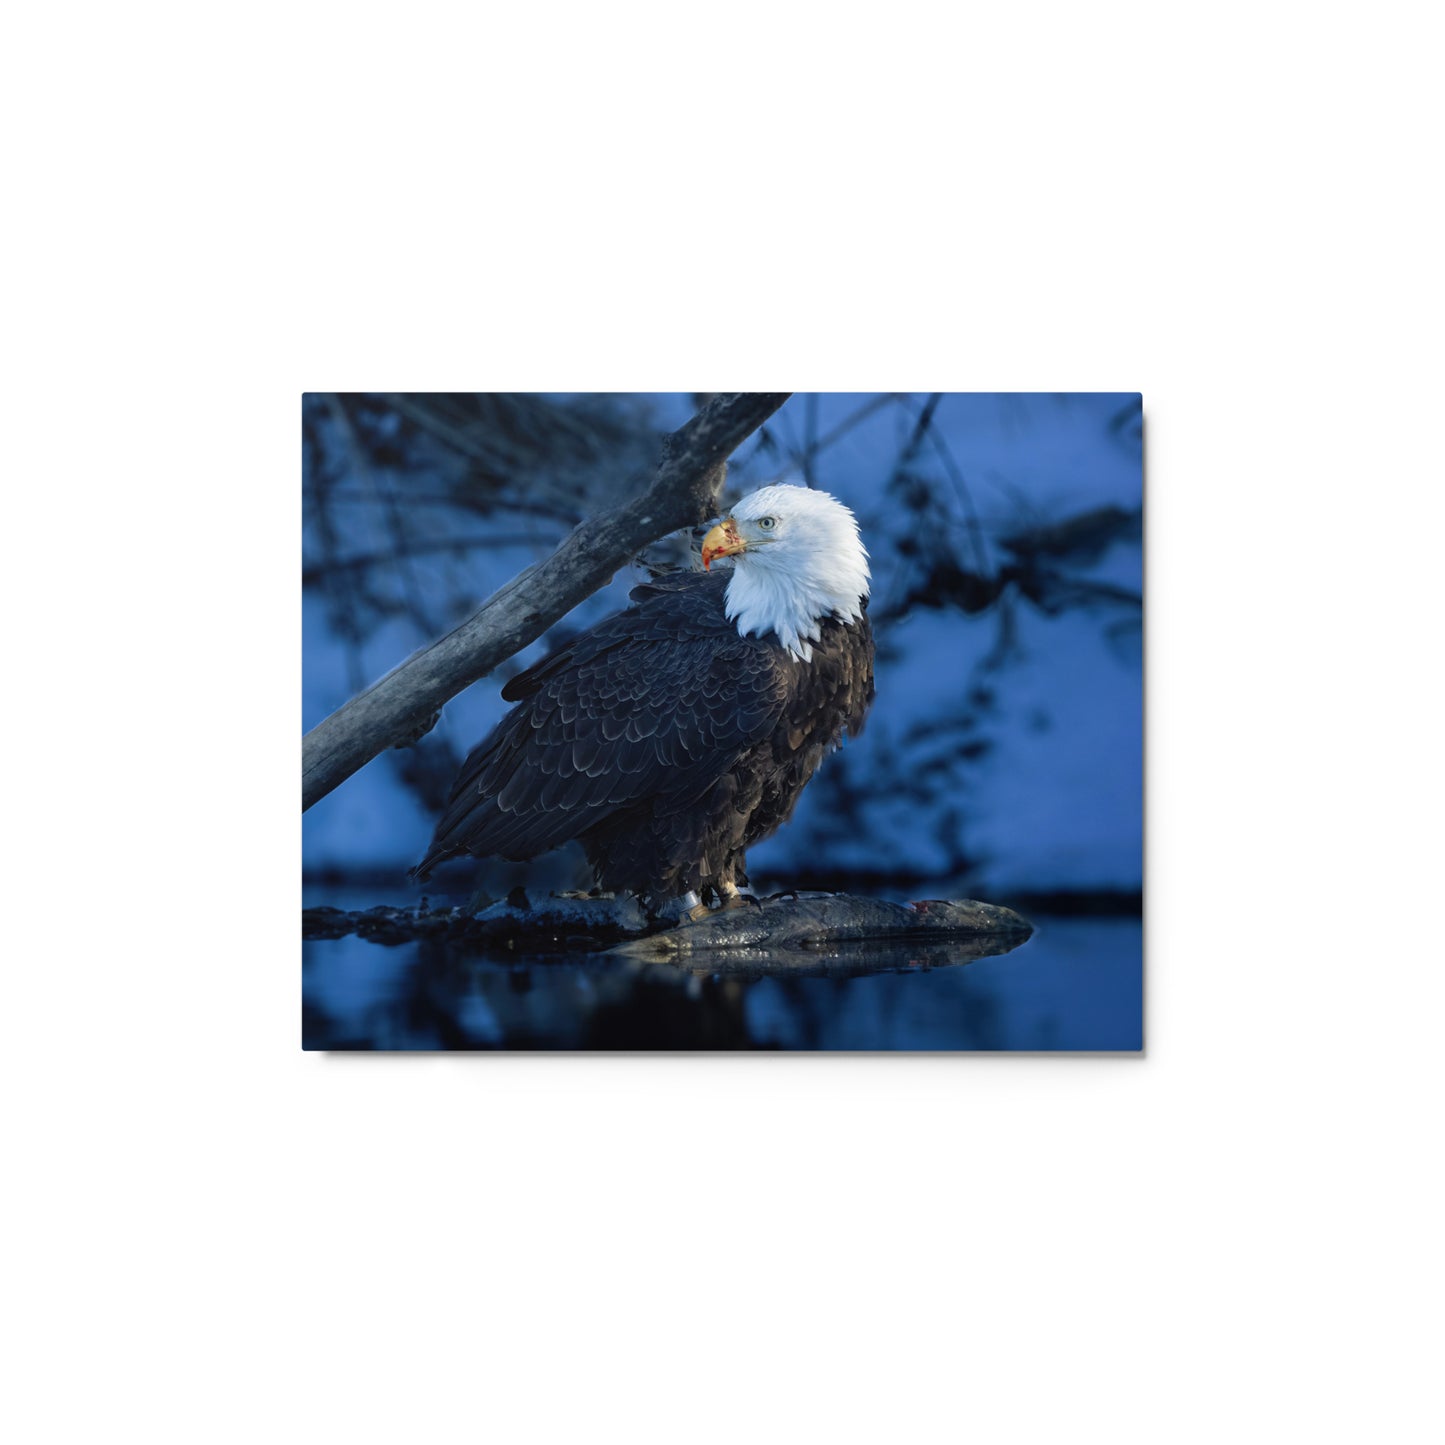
[(797, 559)]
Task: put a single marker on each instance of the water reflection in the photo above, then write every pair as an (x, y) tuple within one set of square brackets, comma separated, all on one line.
[(1076, 984)]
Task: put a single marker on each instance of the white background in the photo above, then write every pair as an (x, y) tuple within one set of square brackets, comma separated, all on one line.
[(211, 1236)]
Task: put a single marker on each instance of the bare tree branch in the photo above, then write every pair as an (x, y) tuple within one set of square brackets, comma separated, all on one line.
[(683, 493)]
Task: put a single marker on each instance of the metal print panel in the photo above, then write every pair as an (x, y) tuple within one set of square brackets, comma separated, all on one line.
[(722, 721)]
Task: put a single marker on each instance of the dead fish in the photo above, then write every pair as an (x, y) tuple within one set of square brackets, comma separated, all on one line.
[(802, 922)]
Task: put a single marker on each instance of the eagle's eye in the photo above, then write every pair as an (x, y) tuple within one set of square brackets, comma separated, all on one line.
[(767, 523)]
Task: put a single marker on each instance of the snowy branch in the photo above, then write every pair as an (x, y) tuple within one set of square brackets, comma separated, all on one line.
[(403, 704)]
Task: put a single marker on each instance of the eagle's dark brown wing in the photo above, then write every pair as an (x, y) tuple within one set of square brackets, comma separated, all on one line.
[(652, 703)]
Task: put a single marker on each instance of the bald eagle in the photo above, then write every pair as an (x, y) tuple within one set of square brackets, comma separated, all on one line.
[(675, 734)]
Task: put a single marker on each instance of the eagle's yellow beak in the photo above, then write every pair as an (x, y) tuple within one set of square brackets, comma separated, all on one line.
[(722, 541)]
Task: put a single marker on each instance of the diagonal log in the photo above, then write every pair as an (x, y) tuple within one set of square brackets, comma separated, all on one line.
[(683, 493)]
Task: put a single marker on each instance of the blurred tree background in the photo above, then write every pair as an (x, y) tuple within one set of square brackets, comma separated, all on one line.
[(1004, 752)]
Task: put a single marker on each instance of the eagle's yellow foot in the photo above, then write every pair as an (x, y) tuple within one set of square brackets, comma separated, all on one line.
[(729, 895), (691, 907), (739, 900), (686, 907)]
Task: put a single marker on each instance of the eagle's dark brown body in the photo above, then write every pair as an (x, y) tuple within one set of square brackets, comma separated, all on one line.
[(662, 740)]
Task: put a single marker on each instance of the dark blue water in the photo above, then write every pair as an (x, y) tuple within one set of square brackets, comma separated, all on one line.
[(1077, 984)]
